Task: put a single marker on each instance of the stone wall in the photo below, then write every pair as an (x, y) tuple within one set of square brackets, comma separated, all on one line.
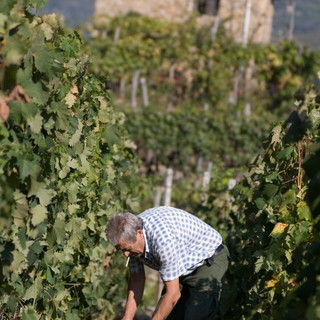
[(231, 12), (171, 10)]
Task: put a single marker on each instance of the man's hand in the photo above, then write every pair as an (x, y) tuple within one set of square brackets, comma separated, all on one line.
[(168, 301)]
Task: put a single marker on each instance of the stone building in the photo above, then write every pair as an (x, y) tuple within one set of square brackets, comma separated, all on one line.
[(171, 10), (232, 12)]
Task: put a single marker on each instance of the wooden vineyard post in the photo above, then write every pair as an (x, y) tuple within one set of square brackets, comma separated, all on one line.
[(145, 95), (207, 175), (247, 111), (157, 199), (215, 27), (104, 34), (232, 183), (171, 81), (199, 164), (134, 89), (290, 11), (246, 23), (168, 187), (171, 72), (116, 36), (198, 170), (237, 81)]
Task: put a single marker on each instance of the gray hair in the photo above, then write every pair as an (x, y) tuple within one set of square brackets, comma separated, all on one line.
[(123, 227)]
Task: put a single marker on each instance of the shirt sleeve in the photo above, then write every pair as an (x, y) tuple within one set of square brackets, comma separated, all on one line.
[(135, 266)]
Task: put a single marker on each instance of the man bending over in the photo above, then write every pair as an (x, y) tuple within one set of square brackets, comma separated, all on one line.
[(187, 252)]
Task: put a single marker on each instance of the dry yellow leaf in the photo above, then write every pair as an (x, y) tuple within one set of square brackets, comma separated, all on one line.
[(279, 228), (270, 283)]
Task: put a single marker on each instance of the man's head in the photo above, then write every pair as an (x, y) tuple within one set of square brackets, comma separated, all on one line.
[(125, 232)]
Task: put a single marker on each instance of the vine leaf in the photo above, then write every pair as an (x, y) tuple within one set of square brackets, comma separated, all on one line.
[(45, 196), (28, 168), (286, 153), (47, 30), (276, 134), (278, 229), (39, 214), (77, 135), (29, 315), (304, 211), (59, 229), (35, 123), (270, 190)]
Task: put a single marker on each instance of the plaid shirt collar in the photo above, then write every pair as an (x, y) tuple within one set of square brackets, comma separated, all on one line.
[(147, 248)]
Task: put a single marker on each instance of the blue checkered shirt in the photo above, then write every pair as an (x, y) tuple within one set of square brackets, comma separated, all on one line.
[(177, 242)]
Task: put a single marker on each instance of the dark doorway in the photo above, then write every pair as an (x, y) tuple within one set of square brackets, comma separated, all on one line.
[(210, 7)]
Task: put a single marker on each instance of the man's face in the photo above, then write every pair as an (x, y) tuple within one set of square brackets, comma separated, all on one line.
[(133, 249)]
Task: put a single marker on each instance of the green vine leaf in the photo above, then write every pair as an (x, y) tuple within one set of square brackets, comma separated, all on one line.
[(29, 315), (304, 212), (39, 214), (35, 123)]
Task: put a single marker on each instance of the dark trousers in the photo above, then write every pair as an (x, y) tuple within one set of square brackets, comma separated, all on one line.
[(201, 290)]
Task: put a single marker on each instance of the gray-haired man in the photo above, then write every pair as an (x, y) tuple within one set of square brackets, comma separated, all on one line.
[(188, 253)]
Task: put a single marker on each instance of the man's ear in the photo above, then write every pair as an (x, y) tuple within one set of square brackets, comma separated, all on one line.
[(139, 232)]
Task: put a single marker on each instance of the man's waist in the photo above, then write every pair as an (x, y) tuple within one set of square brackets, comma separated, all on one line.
[(209, 260), (220, 248)]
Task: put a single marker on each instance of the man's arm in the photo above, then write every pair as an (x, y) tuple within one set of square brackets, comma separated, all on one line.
[(135, 293), (168, 300)]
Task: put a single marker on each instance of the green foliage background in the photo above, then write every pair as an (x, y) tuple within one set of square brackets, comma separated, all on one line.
[(273, 227), (267, 219), (195, 104), (66, 163)]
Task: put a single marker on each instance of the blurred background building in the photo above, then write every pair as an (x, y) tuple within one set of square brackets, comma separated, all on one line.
[(232, 12), (265, 14)]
